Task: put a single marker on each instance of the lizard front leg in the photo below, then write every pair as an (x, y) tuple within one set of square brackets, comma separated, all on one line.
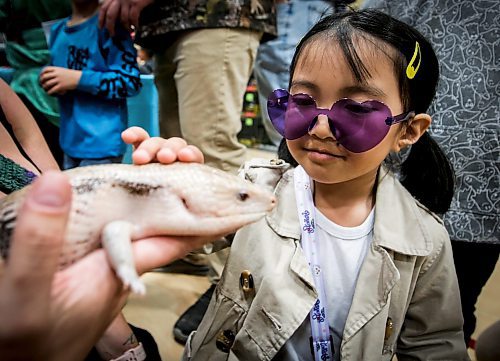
[(117, 241)]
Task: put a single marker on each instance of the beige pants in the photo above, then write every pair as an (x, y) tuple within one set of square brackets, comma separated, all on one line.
[(201, 80)]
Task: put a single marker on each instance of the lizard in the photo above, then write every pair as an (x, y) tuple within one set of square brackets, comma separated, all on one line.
[(114, 204)]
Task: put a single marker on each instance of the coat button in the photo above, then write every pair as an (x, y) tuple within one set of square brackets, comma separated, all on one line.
[(389, 326), (225, 340), (246, 281), (276, 162)]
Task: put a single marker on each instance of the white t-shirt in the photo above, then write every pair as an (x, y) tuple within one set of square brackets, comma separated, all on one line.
[(342, 252)]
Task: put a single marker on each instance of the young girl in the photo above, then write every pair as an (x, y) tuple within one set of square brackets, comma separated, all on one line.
[(352, 264)]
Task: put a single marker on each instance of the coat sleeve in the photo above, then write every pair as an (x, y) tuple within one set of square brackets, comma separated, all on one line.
[(121, 78), (433, 323)]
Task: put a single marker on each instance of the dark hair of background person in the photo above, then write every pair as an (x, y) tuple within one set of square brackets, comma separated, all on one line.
[(426, 173)]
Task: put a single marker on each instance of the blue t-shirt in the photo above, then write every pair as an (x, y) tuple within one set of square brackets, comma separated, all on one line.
[(95, 113)]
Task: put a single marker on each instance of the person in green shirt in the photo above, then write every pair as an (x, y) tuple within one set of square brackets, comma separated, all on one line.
[(27, 52)]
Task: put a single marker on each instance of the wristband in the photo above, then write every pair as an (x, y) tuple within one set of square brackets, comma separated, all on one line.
[(134, 354)]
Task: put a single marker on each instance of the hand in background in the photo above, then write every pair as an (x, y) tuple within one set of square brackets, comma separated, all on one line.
[(57, 80), (158, 149), (127, 11)]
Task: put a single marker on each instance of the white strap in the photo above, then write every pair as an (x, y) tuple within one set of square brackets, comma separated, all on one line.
[(321, 342)]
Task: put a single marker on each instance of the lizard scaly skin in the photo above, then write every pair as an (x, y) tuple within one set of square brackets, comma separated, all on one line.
[(116, 203)]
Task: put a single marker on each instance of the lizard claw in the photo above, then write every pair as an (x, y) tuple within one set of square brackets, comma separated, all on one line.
[(131, 280)]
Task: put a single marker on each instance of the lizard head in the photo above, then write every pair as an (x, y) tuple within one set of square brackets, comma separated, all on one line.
[(211, 195)]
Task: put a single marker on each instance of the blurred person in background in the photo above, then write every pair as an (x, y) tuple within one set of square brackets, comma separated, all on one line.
[(27, 52), (466, 113), (92, 73)]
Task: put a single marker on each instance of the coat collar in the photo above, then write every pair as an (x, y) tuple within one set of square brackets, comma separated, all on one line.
[(399, 224)]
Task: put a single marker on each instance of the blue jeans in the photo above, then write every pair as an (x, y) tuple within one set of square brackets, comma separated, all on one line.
[(70, 162), (271, 70)]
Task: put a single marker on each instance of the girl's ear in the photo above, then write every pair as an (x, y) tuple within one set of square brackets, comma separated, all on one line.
[(413, 130)]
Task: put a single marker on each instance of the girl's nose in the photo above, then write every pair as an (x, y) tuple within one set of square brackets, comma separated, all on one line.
[(321, 128)]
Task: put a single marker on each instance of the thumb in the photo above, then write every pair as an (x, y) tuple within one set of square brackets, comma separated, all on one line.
[(39, 233)]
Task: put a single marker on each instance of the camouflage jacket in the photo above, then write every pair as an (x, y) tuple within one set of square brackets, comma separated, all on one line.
[(161, 22)]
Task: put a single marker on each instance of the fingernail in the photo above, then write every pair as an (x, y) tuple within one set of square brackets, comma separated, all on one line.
[(46, 193)]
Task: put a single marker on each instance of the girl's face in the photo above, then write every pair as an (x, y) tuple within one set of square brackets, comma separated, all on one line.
[(323, 73)]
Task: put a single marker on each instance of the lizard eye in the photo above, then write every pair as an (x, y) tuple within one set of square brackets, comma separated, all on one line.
[(243, 196)]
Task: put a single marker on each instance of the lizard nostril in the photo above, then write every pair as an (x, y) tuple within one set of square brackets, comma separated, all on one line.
[(243, 195)]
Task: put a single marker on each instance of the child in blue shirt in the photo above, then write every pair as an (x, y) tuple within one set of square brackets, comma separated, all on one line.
[(92, 74)]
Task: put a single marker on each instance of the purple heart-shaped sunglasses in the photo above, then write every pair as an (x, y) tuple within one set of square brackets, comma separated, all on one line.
[(357, 126)]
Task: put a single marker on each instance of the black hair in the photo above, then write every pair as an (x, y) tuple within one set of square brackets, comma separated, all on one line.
[(427, 172)]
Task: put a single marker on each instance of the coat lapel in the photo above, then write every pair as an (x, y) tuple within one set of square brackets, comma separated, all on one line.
[(376, 279)]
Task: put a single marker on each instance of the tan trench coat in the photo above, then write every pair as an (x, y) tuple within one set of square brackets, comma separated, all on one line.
[(406, 300)]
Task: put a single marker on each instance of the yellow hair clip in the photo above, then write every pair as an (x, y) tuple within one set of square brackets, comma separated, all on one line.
[(411, 69)]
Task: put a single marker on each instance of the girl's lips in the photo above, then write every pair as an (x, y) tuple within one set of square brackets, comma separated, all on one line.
[(323, 153), (321, 156)]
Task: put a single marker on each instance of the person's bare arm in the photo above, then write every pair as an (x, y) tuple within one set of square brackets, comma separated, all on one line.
[(26, 131), (117, 339)]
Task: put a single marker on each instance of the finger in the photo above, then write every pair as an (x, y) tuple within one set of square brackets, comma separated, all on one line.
[(134, 136), (46, 85), (147, 151), (49, 74), (124, 16), (189, 154), (103, 11), (165, 150), (135, 10), (155, 252), (38, 237), (54, 90), (48, 69), (134, 15), (111, 16)]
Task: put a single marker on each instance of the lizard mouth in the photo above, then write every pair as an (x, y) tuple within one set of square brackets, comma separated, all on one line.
[(213, 225), (232, 223)]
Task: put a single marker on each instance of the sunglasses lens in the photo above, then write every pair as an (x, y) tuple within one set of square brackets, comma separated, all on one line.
[(291, 115), (360, 126), (300, 114), (277, 103)]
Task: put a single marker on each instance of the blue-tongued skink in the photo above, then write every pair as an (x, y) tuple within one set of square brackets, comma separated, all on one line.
[(115, 204)]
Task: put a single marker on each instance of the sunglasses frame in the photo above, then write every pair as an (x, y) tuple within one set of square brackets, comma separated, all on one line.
[(278, 103)]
